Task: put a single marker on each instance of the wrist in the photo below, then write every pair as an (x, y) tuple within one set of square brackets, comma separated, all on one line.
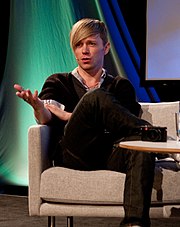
[(67, 116), (42, 115)]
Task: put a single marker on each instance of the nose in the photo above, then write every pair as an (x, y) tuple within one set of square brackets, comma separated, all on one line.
[(85, 49)]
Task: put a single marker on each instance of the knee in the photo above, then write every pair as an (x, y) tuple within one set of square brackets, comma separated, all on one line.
[(94, 95), (98, 92)]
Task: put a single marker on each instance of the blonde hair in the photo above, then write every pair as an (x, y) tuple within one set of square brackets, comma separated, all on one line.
[(87, 27)]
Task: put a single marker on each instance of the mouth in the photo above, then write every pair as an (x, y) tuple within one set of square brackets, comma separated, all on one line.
[(85, 60)]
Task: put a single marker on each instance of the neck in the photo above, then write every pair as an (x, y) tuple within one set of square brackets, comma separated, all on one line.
[(90, 76), (89, 79)]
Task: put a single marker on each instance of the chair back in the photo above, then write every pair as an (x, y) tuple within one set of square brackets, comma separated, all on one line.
[(161, 114)]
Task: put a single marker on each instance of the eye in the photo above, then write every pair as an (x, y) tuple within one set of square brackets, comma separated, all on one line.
[(92, 43), (78, 45)]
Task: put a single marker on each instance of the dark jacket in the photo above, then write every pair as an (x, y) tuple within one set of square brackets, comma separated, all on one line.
[(66, 89)]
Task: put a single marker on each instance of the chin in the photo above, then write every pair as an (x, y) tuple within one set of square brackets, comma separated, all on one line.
[(86, 67)]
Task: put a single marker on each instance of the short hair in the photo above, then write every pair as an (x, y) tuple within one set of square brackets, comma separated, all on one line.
[(87, 27)]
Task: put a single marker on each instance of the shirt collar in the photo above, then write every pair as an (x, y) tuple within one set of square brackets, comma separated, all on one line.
[(78, 77)]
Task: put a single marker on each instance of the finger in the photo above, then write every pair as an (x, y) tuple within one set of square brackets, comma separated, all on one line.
[(50, 107), (54, 109), (18, 87), (27, 94), (19, 94), (35, 95)]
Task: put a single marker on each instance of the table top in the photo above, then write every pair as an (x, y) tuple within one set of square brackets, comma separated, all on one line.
[(158, 147)]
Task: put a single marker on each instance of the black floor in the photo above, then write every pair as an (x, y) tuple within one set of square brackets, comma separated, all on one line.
[(13, 190), (14, 213)]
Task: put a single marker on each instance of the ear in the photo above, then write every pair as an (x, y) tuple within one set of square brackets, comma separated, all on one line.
[(106, 48)]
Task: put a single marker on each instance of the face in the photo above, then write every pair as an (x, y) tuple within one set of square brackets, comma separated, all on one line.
[(90, 53)]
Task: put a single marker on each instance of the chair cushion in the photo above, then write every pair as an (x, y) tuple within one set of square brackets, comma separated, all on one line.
[(73, 186), (102, 186)]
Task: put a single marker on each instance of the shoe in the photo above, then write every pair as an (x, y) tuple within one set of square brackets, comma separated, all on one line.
[(136, 225), (134, 222), (129, 223)]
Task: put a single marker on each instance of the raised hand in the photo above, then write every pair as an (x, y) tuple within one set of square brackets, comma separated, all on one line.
[(42, 114), (27, 96)]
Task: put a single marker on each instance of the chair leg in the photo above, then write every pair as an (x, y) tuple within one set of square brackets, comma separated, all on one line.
[(51, 221), (69, 221)]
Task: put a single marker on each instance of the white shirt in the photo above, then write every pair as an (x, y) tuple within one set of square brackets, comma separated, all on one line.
[(81, 80)]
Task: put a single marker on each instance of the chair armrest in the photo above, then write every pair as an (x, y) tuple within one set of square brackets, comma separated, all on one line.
[(38, 146)]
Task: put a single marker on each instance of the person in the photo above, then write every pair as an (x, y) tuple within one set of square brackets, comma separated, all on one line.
[(98, 111)]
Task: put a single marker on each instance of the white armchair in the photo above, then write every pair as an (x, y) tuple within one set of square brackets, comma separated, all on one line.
[(57, 191)]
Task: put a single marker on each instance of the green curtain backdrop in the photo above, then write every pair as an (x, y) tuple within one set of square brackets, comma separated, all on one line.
[(38, 46)]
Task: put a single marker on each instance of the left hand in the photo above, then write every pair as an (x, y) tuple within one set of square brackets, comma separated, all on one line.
[(61, 114)]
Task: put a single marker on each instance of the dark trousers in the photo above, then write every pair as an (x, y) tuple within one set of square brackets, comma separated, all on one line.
[(97, 117)]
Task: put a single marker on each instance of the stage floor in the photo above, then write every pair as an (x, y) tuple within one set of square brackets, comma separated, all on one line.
[(14, 212)]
